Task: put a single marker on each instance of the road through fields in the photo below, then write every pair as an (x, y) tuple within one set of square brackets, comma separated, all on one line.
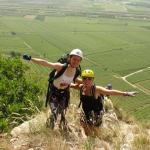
[(124, 78)]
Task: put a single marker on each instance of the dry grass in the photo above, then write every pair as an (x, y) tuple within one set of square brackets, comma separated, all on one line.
[(141, 142), (55, 141), (108, 105), (74, 96), (111, 135), (4, 143), (122, 115), (145, 125), (45, 139)]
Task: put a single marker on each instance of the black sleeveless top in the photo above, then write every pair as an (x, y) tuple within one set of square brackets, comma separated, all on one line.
[(90, 103)]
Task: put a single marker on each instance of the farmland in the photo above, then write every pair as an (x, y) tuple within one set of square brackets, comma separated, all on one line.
[(113, 46)]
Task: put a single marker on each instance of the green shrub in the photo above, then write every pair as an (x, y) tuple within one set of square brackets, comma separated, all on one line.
[(3, 124), (19, 95)]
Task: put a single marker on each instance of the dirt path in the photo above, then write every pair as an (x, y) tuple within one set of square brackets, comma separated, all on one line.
[(143, 88), (91, 61), (28, 46), (124, 78), (141, 70)]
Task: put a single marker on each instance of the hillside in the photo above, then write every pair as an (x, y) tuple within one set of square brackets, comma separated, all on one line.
[(113, 134), (115, 38)]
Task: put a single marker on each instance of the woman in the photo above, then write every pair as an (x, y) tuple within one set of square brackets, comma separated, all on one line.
[(59, 89), (91, 97)]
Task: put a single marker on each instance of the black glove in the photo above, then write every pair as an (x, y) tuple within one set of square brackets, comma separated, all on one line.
[(26, 57)]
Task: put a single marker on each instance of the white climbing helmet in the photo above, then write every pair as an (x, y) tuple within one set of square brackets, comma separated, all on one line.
[(76, 52)]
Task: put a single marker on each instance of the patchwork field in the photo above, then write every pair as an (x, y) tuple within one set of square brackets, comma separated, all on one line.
[(113, 48)]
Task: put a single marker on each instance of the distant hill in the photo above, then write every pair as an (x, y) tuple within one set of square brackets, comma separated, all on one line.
[(125, 8)]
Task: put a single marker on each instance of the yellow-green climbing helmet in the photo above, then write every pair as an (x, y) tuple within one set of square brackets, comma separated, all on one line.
[(87, 73)]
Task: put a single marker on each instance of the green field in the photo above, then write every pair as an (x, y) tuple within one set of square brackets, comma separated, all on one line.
[(113, 47)]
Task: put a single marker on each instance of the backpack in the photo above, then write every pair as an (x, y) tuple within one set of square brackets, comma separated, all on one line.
[(64, 60)]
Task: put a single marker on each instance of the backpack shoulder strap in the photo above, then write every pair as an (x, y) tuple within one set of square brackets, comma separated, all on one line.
[(93, 91), (81, 89), (78, 73), (61, 71), (100, 97)]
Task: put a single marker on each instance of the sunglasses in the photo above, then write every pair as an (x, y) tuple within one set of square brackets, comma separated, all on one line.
[(87, 78)]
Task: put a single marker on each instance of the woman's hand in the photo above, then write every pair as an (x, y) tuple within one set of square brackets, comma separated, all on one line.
[(130, 93)]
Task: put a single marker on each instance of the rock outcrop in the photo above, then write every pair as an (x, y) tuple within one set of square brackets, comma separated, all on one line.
[(113, 134)]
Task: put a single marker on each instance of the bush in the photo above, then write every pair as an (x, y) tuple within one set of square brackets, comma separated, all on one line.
[(19, 96)]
